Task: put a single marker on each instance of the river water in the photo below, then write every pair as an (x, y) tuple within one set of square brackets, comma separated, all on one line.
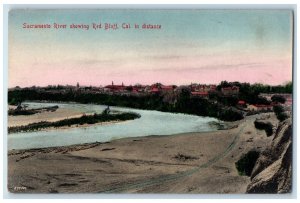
[(150, 123)]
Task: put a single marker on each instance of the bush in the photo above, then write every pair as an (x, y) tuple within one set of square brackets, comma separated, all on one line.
[(278, 98), (278, 109), (231, 115), (267, 126), (12, 112), (279, 112), (247, 162), (282, 116)]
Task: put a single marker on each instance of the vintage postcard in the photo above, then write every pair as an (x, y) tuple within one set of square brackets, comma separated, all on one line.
[(156, 101)]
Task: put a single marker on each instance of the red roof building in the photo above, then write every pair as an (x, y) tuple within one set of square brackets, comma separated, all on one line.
[(213, 87), (167, 88), (263, 107), (227, 91), (154, 90), (116, 87), (241, 102)]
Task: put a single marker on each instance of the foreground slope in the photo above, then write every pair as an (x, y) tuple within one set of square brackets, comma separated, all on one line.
[(273, 170)]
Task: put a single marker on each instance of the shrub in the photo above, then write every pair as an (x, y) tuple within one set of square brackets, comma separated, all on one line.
[(247, 162), (12, 112), (279, 112), (231, 115), (278, 98), (267, 126), (278, 109), (282, 116)]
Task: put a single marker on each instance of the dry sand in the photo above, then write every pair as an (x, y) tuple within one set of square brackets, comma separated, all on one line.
[(140, 165), (59, 114)]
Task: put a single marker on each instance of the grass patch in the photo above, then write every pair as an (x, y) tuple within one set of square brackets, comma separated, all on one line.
[(183, 157)]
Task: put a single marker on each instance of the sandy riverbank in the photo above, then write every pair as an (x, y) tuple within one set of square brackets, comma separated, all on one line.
[(59, 114), (183, 163)]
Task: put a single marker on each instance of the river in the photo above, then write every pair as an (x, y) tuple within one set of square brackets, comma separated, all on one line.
[(150, 123)]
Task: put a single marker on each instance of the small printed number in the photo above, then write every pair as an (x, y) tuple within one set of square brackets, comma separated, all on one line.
[(20, 188)]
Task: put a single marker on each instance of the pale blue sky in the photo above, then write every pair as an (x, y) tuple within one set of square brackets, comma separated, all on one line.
[(186, 36)]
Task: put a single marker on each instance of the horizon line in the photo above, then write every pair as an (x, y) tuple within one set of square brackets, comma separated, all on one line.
[(101, 85)]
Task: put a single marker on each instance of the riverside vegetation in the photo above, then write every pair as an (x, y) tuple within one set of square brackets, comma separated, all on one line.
[(20, 111)]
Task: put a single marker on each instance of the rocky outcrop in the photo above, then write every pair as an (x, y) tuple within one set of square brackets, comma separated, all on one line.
[(272, 172)]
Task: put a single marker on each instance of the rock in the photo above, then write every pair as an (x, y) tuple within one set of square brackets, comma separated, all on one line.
[(272, 172)]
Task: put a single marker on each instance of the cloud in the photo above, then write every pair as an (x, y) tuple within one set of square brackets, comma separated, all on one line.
[(108, 62), (167, 57), (208, 67), (268, 74)]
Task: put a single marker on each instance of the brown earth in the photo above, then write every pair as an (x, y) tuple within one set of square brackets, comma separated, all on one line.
[(272, 172), (183, 163)]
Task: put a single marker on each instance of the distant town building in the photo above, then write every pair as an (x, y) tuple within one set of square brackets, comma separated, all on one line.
[(261, 107), (116, 88), (159, 88), (154, 90), (251, 107), (202, 88), (229, 91), (169, 88), (242, 103)]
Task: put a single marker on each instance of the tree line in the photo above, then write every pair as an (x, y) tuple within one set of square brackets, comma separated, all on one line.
[(216, 105)]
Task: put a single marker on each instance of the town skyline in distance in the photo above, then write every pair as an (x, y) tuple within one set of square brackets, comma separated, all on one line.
[(142, 84)]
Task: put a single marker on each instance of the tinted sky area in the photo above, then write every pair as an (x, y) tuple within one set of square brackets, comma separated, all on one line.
[(202, 46)]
